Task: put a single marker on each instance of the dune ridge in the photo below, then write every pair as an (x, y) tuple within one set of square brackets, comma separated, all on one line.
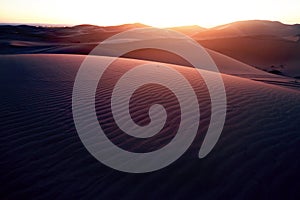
[(269, 46)]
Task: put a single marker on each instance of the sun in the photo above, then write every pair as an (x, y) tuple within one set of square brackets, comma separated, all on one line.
[(157, 13)]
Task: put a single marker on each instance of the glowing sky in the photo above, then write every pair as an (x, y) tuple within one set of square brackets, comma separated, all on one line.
[(161, 13)]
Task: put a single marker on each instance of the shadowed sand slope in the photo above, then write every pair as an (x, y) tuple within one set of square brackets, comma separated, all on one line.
[(265, 52), (271, 46), (43, 157)]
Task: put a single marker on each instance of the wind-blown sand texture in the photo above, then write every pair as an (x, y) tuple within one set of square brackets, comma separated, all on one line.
[(42, 157)]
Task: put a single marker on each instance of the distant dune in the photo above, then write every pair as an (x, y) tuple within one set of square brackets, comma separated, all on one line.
[(250, 28), (270, 46), (189, 30), (267, 52)]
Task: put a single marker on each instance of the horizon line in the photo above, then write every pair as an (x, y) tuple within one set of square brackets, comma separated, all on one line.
[(140, 23)]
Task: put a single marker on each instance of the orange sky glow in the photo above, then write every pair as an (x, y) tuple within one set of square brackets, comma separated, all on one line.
[(157, 13)]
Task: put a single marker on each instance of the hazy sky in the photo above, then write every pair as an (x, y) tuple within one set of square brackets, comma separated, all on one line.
[(161, 13)]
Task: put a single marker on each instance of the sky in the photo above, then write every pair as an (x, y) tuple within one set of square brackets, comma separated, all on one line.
[(159, 13)]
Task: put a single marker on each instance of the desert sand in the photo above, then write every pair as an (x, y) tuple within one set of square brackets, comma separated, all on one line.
[(42, 156)]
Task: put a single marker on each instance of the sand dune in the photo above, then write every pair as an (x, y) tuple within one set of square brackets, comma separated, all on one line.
[(188, 30), (268, 53), (226, 65), (270, 46), (75, 34), (250, 28), (42, 156)]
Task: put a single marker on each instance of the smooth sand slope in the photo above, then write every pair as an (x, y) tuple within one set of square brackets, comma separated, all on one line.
[(269, 53), (43, 157), (271, 46)]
